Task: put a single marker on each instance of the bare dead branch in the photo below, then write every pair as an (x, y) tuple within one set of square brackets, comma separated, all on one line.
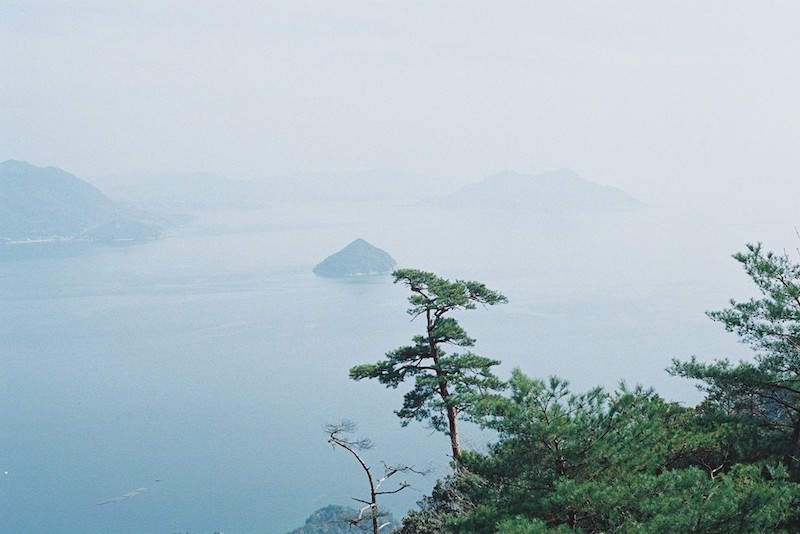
[(337, 439)]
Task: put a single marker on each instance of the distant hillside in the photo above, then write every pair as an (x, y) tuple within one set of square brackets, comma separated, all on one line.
[(46, 203), (201, 191), (391, 186), (356, 259), (549, 192), (195, 191)]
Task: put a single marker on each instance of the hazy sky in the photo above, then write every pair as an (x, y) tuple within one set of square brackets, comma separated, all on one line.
[(662, 99)]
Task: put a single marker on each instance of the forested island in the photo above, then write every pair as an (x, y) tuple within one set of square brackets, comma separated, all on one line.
[(626, 460)]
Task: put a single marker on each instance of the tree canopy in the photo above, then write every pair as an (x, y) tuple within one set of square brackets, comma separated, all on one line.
[(445, 385), (630, 461), (623, 460), (765, 391)]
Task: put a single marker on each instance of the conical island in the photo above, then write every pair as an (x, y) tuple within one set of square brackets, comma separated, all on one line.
[(359, 258)]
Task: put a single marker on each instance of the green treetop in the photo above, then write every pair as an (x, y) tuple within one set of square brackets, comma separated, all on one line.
[(768, 389), (444, 384)]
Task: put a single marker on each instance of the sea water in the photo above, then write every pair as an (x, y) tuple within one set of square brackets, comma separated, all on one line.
[(182, 385)]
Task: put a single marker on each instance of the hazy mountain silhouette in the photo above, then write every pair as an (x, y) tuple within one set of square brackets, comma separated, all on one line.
[(200, 191), (46, 203), (377, 185), (194, 191), (356, 259), (549, 192)]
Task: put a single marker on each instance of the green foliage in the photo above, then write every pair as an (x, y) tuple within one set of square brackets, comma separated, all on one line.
[(452, 498), (622, 461), (765, 392), (445, 385), (594, 436), (688, 500), (628, 461), (431, 293), (523, 525), (770, 324), (335, 519)]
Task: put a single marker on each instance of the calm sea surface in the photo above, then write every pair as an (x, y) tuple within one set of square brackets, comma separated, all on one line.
[(182, 385)]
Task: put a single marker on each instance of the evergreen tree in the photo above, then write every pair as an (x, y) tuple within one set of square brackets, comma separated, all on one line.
[(445, 384), (548, 436), (767, 390), (625, 461), (628, 461)]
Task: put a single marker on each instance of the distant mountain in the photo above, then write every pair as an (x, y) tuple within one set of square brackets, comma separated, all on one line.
[(201, 191), (49, 204), (195, 191), (356, 259), (560, 191), (378, 185)]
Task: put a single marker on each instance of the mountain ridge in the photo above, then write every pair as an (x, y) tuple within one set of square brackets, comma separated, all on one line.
[(556, 191), (50, 204)]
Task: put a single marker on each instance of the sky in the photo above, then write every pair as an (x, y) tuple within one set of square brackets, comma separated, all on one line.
[(673, 102)]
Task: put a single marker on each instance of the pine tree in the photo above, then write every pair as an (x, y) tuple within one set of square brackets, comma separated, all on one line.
[(767, 390), (445, 385)]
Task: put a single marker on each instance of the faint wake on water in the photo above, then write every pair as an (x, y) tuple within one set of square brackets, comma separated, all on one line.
[(128, 495)]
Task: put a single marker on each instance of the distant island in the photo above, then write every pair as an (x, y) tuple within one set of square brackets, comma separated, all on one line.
[(359, 258), (559, 191), (47, 204)]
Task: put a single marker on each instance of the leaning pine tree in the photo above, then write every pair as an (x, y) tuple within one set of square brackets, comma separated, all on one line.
[(445, 384)]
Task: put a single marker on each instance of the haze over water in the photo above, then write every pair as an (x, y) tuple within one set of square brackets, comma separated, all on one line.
[(203, 366)]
